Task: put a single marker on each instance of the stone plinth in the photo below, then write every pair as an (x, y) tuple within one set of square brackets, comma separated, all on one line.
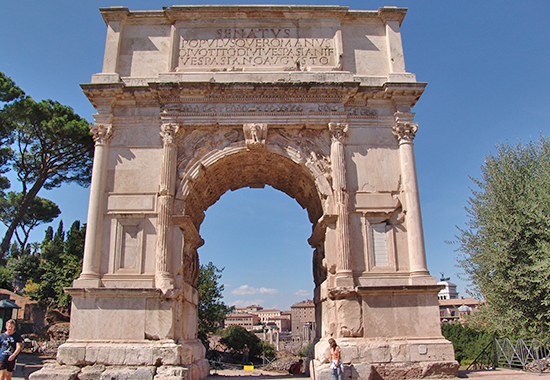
[(198, 370)]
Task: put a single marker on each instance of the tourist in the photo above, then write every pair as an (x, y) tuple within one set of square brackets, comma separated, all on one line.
[(335, 360), (296, 368), (246, 351), (10, 346)]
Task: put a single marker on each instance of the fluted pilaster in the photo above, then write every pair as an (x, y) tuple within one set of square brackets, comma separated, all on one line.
[(344, 273), (163, 277)]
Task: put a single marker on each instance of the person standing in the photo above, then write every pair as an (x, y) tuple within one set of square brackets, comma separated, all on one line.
[(246, 351), (10, 347), (335, 360)]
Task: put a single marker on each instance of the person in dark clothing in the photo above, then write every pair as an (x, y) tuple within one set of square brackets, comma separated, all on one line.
[(10, 347), (296, 368), (246, 352)]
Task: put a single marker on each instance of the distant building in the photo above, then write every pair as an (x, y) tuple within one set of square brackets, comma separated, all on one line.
[(252, 309), (452, 308), (248, 321), (303, 321), (449, 292), (457, 309)]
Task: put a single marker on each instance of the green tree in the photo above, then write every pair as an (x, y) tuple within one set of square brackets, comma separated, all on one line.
[(39, 212), (52, 146), (468, 342), (25, 267), (9, 93), (60, 263), (212, 310), (235, 337), (505, 248)]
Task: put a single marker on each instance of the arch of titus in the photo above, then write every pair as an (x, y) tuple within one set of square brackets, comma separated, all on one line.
[(314, 101)]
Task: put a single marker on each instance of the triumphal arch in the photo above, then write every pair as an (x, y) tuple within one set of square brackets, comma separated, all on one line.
[(314, 101)]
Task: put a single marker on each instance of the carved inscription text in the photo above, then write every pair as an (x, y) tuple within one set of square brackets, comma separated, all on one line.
[(245, 47)]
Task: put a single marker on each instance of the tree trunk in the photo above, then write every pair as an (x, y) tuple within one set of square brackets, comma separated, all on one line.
[(28, 198)]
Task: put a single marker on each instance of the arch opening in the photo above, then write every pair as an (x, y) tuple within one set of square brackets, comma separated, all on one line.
[(260, 237), (254, 168)]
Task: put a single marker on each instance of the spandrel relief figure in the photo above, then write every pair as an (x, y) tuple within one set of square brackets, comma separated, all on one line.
[(255, 134)]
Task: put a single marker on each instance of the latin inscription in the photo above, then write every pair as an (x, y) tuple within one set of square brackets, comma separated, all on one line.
[(245, 47)]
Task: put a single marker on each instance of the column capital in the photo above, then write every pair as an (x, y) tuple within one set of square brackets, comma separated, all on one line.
[(168, 132), (404, 129), (101, 133), (339, 131)]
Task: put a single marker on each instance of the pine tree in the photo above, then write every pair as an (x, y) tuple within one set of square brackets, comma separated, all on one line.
[(60, 263)]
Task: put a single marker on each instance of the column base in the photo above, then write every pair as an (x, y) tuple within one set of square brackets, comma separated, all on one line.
[(388, 359), (87, 281), (54, 371), (130, 353), (344, 280)]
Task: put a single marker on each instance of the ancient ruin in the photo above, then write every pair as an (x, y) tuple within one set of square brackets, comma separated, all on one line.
[(194, 101)]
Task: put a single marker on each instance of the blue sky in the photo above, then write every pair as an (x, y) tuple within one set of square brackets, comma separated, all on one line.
[(487, 68)]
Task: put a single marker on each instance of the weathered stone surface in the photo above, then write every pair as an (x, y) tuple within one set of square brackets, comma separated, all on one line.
[(128, 373), (314, 101), (92, 372), (55, 372), (172, 373), (440, 369), (199, 370)]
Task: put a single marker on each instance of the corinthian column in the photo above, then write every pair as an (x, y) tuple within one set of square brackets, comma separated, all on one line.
[(344, 273), (102, 133), (163, 276), (405, 130)]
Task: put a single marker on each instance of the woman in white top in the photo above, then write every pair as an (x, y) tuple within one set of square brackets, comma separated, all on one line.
[(335, 360)]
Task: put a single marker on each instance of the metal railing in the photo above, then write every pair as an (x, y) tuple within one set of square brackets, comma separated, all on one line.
[(513, 353)]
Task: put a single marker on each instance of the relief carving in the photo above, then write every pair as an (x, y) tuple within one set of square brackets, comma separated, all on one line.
[(404, 129), (255, 134), (198, 142), (168, 133), (319, 266), (190, 265), (101, 133), (313, 144)]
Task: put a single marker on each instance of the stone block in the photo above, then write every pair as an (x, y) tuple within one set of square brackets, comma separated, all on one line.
[(71, 354), (167, 355), (191, 351), (171, 373), (128, 373), (92, 372), (56, 372), (378, 354), (360, 371), (198, 370), (441, 369)]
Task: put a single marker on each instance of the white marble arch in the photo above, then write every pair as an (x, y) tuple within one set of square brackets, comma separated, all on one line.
[(315, 101)]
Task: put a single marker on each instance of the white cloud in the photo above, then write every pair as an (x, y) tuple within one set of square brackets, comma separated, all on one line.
[(245, 290), (244, 303), (302, 293)]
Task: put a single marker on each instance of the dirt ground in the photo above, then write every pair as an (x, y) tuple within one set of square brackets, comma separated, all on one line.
[(498, 374), (30, 363)]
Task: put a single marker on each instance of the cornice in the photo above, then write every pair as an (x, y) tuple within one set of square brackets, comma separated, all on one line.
[(161, 94), (171, 14)]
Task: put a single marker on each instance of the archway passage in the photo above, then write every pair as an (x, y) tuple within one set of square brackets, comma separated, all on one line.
[(259, 237), (255, 169)]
